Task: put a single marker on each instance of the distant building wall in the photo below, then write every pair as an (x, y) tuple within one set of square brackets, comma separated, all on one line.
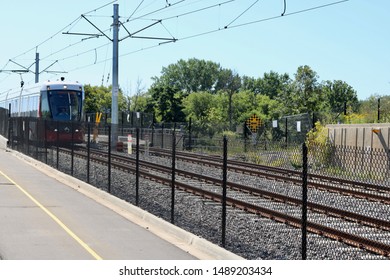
[(362, 149), (367, 136)]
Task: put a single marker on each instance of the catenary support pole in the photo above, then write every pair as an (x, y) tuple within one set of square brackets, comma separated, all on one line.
[(36, 67), (115, 86)]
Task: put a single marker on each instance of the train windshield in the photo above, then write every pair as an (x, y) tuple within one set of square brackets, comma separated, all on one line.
[(65, 105)]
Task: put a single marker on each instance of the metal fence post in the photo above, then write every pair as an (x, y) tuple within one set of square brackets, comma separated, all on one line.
[(26, 133), (152, 140), (224, 185), (109, 157), (37, 131), (137, 167), (9, 143), (245, 130), (45, 125), (304, 201), (189, 134), (88, 149), (173, 176), (286, 132), (57, 143), (72, 151), (162, 136)]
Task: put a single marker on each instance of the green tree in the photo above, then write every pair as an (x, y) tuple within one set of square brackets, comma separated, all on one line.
[(198, 107), (167, 102), (245, 104), (250, 83), (339, 97), (230, 83), (307, 96), (207, 112), (189, 76), (369, 108), (142, 103), (98, 99), (273, 83)]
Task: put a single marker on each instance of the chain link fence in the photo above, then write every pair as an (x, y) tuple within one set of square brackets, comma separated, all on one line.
[(351, 182)]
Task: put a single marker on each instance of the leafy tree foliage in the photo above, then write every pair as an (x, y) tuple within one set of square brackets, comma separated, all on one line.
[(307, 95), (200, 108), (141, 103), (339, 97), (98, 99), (218, 99), (167, 101), (229, 83), (369, 109), (189, 76), (271, 84)]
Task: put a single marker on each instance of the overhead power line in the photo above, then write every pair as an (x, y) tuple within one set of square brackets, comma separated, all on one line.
[(241, 14), (155, 11), (201, 33), (290, 14), (161, 21), (262, 20)]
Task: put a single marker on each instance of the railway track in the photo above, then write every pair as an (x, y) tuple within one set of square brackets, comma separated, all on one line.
[(211, 189), (371, 192)]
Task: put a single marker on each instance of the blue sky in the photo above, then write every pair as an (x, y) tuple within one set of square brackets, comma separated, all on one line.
[(346, 41)]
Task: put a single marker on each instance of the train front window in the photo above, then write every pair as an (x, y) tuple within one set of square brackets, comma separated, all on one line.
[(65, 105)]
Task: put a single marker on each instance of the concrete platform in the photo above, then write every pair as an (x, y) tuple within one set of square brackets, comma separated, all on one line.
[(45, 214)]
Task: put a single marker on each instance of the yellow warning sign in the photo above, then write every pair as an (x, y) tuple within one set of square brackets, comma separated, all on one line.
[(98, 117), (254, 122)]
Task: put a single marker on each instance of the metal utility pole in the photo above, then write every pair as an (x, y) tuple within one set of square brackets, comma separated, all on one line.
[(115, 61), (115, 86), (36, 67)]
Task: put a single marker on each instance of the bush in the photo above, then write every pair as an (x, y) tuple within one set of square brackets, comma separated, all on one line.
[(319, 147)]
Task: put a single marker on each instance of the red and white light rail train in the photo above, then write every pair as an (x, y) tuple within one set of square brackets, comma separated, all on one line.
[(59, 102)]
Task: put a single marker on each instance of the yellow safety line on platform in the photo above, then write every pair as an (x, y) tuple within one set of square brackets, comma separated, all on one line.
[(57, 220)]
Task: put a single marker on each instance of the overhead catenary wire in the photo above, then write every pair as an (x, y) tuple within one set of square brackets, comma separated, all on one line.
[(155, 11), (197, 35), (203, 33), (290, 14), (72, 24), (240, 15), (198, 10), (285, 7), (238, 25), (69, 26), (46, 40), (136, 9), (263, 20), (101, 7)]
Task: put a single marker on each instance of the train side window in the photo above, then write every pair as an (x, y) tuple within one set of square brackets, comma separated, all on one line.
[(45, 109)]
